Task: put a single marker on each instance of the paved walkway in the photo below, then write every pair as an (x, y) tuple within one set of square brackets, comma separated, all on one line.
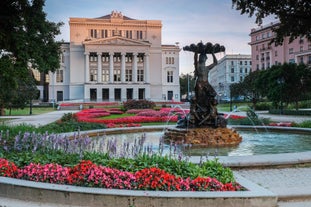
[(37, 120), (292, 185)]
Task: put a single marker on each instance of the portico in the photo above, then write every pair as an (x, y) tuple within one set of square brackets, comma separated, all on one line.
[(116, 58)]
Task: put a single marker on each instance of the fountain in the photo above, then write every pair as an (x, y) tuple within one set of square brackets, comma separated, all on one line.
[(203, 126)]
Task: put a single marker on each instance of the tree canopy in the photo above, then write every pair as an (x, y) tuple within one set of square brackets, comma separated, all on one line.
[(287, 83), (294, 16), (29, 39)]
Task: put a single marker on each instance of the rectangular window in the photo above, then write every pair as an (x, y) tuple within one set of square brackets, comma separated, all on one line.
[(116, 75), (241, 70), (128, 58), (309, 59), (291, 61), (93, 33), (245, 62), (170, 76), (62, 57), (59, 76), (139, 35), (104, 33), (128, 34), (128, 75), (105, 75), (246, 70), (140, 75), (105, 58), (93, 74), (241, 62), (291, 50), (232, 70), (232, 78)]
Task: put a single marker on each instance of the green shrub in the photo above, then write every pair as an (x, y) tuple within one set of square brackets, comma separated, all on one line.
[(138, 104), (304, 124), (263, 106)]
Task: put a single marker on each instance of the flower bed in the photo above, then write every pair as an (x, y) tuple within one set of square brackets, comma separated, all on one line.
[(283, 124), (142, 116), (89, 174)]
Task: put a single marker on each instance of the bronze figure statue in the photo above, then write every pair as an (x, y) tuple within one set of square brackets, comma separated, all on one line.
[(203, 111)]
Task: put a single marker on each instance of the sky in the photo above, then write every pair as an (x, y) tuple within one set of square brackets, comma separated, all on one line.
[(183, 21)]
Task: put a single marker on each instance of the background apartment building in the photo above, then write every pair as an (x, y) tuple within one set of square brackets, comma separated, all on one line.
[(116, 58), (230, 69), (265, 55)]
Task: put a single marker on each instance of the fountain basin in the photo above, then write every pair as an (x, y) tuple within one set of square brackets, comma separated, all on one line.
[(63, 195)]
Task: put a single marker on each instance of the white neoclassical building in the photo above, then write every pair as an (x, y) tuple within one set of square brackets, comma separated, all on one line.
[(232, 68), (116, 58)]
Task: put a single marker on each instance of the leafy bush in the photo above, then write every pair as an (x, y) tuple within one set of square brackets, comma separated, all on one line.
[(138, 104), (263, 106), (304, 124)]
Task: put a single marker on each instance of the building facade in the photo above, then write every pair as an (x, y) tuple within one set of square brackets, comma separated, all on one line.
[(264, 55), (116, 58), (230, 69)]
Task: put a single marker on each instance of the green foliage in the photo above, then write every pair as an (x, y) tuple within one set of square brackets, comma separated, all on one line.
[(68, 117), (287, 83), (294, 16), (184, 169), (183, 81), (263, 106), (249, 121), (29, 38), (304, 124), (138, 104)]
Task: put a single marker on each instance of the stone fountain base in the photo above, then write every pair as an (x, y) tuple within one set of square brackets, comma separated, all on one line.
[(203, 137)]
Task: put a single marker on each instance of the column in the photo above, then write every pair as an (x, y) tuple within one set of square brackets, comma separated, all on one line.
[(146, 69), (135, 67), (87, 67), (99, 67), (122, 67), (111, 67)]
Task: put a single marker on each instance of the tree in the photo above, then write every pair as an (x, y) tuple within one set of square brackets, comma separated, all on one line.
[(294, 16), (28, 36), (186, 82), (287, 83), (8, 81)]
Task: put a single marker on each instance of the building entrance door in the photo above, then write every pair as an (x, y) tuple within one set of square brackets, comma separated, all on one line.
[(59, 96), (93, 93), (169, 95), (129, 93), (105, 94), (117, 94)]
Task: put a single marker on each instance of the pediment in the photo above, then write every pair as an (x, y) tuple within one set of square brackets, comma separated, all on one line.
[(116, 41)]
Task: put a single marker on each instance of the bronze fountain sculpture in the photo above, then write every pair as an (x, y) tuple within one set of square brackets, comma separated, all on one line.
[(203, 126)]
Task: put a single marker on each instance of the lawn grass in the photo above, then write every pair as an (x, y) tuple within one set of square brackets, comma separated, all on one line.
[(25, 111), (158, 123), (117, 116)]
